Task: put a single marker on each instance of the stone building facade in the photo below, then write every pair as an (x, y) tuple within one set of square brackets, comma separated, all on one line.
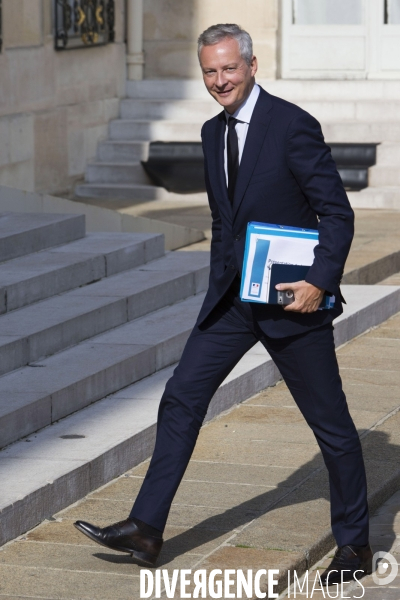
[(54, 105)]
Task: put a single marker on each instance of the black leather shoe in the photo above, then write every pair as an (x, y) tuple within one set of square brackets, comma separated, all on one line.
[(125, 536), (349, 562)]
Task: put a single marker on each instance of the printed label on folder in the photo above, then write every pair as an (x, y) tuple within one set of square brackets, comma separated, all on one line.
[(255, 289), (259, 262)]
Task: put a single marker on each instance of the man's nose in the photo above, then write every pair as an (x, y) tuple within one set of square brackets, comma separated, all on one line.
[(221, 79)]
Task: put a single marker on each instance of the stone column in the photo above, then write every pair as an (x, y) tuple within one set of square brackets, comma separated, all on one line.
[(135, 56)]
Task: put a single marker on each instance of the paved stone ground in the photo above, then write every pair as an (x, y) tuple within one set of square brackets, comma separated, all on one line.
[(255, 494), (194, 213), (392, 280), (385, 537), (376, 236)]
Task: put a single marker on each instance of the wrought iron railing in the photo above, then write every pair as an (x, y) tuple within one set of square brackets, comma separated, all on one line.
[(83, 23)]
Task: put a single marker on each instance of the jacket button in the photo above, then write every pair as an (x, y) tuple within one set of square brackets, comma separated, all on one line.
[(233, 267), (237, 238)]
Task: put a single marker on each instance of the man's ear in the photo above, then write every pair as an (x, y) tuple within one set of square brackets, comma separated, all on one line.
[(254, 66)]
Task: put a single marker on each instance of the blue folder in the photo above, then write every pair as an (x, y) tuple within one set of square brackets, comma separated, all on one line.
[(263, 268)]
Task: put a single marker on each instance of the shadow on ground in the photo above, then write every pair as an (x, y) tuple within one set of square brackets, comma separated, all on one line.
[(382, 464)]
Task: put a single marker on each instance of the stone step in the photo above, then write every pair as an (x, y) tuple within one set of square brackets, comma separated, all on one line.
[(43, 392), (43, 274), (384, 175), (388, 153), (104, 172), (376, 197), (122, 151), (66, 461), (329, 90), (361, 132), (121, 191), (175, 110), (201, 110), (363, 111), (52, 325), (180, 89), (24, 233), (147, 130), (292, 90), (126, 191)]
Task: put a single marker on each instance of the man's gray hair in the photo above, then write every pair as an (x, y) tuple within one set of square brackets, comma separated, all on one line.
[(217, 33)]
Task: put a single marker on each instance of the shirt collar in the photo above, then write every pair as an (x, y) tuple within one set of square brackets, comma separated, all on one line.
[(245, 111)]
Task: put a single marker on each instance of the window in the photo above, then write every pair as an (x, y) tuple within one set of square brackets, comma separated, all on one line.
[(83, 23), (329, 12), (392, 12)]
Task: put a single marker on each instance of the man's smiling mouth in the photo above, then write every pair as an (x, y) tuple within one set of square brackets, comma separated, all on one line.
[(224, 92)]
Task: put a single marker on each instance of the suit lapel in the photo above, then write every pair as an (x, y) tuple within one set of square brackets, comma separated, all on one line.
[(256, 133)]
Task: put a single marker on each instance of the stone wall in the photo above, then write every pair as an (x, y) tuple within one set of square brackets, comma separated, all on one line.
[(54, 105), (171, 28)]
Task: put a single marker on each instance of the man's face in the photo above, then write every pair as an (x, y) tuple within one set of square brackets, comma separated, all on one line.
[(227, 77)]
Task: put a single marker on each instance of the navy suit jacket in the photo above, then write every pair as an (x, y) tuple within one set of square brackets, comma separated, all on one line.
[(286, 176)]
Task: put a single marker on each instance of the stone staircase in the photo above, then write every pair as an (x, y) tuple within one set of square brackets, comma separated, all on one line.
[(349, 111), (384, 180), (57, 301), (81, 317)]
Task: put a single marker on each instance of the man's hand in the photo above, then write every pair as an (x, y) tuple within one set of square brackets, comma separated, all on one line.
[(307, 297)]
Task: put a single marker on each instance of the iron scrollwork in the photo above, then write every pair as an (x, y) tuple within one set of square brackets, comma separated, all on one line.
[(83, 23)]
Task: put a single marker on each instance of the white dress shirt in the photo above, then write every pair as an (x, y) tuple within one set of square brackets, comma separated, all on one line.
[(243, 114)]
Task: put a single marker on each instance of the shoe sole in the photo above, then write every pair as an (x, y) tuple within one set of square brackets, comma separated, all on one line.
[(141, 557)]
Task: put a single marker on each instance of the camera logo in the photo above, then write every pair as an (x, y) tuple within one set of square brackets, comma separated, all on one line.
[(384, 568)]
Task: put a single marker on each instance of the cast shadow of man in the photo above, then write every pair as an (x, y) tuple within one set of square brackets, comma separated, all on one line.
[(309, 482)]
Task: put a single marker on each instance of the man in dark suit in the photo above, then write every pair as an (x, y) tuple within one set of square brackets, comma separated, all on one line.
[(265, 160)]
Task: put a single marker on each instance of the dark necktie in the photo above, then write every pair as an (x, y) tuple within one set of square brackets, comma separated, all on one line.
[(232, 156)]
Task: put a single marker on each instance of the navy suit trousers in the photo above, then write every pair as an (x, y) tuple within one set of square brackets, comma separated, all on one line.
[(309, 367)]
